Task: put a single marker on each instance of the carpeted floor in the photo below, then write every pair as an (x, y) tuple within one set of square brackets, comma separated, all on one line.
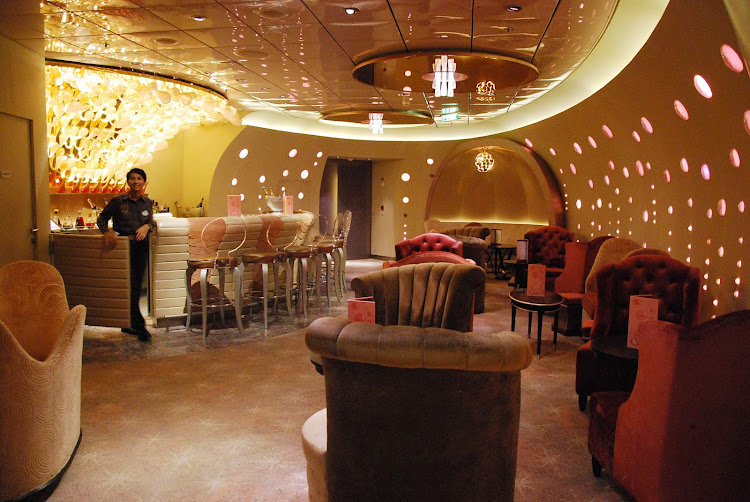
[(223, 424)]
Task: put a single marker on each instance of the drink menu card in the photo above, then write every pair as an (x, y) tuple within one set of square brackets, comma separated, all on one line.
[(642, 308), (535, 279), (362, 309), (234, 205), (288, 204)]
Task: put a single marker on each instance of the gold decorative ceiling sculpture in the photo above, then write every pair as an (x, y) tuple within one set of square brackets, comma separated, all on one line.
[(102, 122)]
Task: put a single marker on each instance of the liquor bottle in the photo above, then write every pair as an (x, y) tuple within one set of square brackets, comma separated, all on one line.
[(79, 220), (270, 189), (200, 204), (265, 191), (57, 218)]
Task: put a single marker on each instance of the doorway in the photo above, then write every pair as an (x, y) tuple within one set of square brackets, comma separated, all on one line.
[(347, 184), (17, 190)]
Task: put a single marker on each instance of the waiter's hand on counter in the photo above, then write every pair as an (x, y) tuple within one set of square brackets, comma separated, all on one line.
[(109, 240), (142, 232)]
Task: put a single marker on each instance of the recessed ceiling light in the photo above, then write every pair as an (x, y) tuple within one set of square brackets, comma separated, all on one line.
[(514, 8), (351, 10), (198, 18)]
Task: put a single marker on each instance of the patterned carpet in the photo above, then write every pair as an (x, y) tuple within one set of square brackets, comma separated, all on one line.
[(221, 421)]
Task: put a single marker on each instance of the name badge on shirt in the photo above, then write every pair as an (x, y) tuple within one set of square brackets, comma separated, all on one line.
[(145, 212)]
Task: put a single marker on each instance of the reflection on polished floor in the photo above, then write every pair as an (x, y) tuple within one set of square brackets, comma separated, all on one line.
[(110, 344)]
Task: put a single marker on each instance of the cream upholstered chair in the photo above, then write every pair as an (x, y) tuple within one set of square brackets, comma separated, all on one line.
[(41, 343)]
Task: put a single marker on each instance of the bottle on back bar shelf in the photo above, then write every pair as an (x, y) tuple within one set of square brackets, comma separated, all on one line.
[(200, 204)]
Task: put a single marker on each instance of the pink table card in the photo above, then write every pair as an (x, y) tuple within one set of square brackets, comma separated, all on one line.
[(234, 205), (642, 308), (362, 309), (288, 204), (535, 279)]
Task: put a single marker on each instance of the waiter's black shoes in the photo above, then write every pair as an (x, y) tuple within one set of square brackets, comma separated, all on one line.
[(143, 335)]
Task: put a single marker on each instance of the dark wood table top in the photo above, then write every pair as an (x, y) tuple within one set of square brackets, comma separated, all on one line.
[(615, 346), (550, 299)]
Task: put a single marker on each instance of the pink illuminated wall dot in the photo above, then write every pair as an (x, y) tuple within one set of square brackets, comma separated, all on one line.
[(591, 183), (611, 165), (702, 87), (690, 202), (721, 207), (552, 151), (647, 125), (731, 59), (741, 206), (577, 148), (592, 142), (734, 157), (709, 213), (747, 121), (645, 216), (684, 165), (529, 143), (606, 180), (572, 168), (625, 172), (706, 172), (680, 109), (667, 176), (578, 205), (720, 251), (636, 136), (639, 167), (607, 131), (292, 153)]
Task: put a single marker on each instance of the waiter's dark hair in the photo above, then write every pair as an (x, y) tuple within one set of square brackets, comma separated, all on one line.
[(136, 170)]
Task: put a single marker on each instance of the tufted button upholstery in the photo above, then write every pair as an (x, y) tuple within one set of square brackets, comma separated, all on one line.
[(428, 242), (547, 245), (677, 286)]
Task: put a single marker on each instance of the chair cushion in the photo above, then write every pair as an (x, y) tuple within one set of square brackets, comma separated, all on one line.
[(571, 298)]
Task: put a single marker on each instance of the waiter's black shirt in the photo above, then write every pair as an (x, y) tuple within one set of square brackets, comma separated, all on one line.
[(127, 215)]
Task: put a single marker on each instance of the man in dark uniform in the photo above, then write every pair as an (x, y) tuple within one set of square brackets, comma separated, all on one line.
[(132, 215)]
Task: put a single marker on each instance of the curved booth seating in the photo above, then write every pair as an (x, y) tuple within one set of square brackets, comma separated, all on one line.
[(41, 344), (682, 434), (415, 412), (428, 242), (547, 247), (674, 283)]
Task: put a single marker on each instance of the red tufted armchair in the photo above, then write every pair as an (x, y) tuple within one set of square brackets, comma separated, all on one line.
[(682, 434), (547, 246), (428, 242), (676, 285)]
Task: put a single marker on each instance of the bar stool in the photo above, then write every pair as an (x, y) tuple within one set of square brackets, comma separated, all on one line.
[(299, 257), (221, 262), (274, 256), (325, 244)]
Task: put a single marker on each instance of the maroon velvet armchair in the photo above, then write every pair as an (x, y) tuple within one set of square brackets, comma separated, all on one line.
[(428, 242), (547, 247), (682, 434), (677, 286)]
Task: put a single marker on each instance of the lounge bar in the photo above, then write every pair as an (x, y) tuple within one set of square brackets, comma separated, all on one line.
[(391, 250)]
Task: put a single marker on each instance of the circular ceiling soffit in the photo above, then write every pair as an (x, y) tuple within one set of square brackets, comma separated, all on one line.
[(414, 70), (395, 117)]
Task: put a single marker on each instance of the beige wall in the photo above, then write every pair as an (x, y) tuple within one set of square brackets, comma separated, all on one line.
[(22, 95)]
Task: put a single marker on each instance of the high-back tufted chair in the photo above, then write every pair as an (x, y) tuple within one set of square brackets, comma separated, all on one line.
[(682, 434), (675, 284), (547, 247), (473, 236), (41, 344), (416, 409), (428, 242)]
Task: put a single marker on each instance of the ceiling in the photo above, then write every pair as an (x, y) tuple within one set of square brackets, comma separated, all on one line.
[(295, 57)]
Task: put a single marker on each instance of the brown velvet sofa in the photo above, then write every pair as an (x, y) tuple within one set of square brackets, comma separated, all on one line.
[(41, 344), (417, 409), (682, 434), (674, 283)]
